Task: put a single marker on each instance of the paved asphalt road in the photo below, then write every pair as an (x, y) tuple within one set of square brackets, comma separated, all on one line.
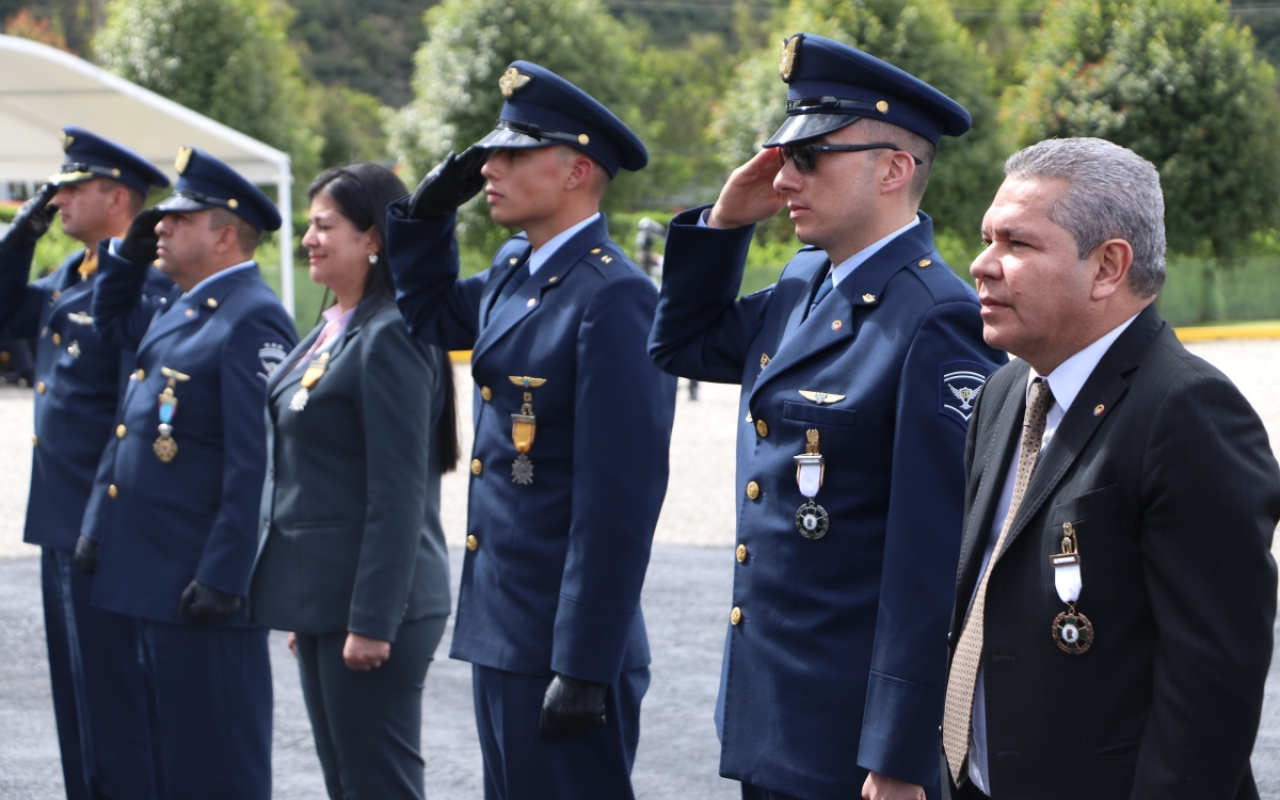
[(685, 601)]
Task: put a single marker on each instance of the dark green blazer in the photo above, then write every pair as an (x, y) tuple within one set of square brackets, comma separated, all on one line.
[(350, 536)]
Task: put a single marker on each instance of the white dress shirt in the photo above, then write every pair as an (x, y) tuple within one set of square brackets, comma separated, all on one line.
[(1065, 382)]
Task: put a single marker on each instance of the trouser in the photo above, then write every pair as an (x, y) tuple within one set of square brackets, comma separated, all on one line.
[(209, 700), (520, 763), (752, 792), (97, 688), (368, 725)]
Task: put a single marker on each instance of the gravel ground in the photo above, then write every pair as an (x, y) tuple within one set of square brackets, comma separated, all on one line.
[(685, 591)]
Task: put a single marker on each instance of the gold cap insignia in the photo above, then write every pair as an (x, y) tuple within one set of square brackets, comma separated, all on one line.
[(525, 380), (882, 106), (184, 157), (67, 141), (512, 81), (787, 62)]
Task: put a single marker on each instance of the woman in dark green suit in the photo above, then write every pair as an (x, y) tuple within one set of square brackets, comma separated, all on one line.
[(352, 560)]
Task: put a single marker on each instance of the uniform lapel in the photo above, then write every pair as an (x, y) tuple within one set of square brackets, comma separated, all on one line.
[(192, 307), (1101, 393), (550, 276)]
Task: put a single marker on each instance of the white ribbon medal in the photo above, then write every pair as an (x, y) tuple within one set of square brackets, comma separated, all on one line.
[(1072, 631), (811, 519)]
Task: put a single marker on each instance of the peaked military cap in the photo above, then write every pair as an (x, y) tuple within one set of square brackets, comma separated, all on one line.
[(831, 85), (543, 109), (205, 182), (90, 156)]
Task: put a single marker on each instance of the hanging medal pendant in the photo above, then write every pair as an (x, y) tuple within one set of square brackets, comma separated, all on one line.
[(1072, 631), (315, 371), (524, 427), (166, 449), (811, 519), (299, 399)]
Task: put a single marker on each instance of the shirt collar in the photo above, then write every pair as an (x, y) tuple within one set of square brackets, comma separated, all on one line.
[(1069, 378), (851, 263), (543, 254), (243, 265)]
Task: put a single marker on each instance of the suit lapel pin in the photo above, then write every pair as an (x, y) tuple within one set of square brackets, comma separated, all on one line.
[(1098, 409)]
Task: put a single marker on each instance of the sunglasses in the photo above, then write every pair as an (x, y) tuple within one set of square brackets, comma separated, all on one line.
[(805, 154)]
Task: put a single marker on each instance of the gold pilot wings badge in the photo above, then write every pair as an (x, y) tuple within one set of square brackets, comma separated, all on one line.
[(821, 398)]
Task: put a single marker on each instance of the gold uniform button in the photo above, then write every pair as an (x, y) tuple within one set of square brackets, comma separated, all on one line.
[(735, 616), (762, 427), (742, 554), (113, 491), (41, 388), (120, 431), (473, 543), (57, 338), (486, 393), (476, 466), (142, 373), (753, 490), (924, 262), (211, 303), (35, 440)]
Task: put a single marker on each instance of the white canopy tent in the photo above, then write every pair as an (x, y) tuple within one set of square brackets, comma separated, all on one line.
[(45, 88)]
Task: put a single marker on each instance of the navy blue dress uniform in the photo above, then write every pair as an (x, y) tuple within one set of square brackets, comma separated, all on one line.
[(835, 653), (569, 467), (183, 505), (97, 690)]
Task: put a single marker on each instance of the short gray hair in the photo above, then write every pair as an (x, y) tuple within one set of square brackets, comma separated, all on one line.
[(1112, 193)]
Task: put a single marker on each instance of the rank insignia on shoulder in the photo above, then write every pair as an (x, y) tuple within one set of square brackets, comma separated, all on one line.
[(270, 356), (960, 383), (821, 398)]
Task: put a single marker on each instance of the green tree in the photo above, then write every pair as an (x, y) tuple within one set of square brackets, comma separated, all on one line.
[(919, 36), (228, 59), (1179, 84)]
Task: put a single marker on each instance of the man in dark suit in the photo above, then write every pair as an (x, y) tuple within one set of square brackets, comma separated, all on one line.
[(572, 427), (172, 527), (1116, 592), (93, 665), (857, 370)]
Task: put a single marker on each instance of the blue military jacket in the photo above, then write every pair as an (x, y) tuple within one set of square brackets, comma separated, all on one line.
[(163, 524), (552, 576), (835, 657), (79, 379)]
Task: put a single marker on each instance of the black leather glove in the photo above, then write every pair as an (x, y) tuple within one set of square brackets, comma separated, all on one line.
[(202, 603), (86, 555), (571, 705), (139, 245), (451, 183), (32, 220)]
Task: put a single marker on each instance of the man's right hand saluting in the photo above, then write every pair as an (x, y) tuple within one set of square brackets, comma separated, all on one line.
[(451, 183), (32, 220), (748, 196)]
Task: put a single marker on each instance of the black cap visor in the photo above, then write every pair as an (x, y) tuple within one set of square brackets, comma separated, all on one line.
[(809, 126), (79, 173), (505, 138), (185, 202)]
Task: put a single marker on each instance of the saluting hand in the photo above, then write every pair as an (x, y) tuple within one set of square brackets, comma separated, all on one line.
[(363, 654), (451, 183), (139, 245), (748, 196), (32, 220)]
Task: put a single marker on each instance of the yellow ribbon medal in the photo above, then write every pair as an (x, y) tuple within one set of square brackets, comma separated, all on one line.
[(315, 370), (524, 426)]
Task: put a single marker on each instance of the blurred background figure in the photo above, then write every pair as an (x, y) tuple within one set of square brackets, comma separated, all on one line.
[(361, 422)]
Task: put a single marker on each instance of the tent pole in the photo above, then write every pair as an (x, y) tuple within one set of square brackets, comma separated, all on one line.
[(284, 194)]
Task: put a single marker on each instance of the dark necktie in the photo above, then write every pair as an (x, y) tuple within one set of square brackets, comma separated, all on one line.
[(513, 283), (824, 289)]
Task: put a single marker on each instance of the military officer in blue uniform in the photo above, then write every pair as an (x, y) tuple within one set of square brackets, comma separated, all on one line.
[(572, 426), (97, 688), (173, 531), (859, 369)]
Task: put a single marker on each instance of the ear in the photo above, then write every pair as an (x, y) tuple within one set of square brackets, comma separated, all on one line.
[(582, 172), (227, 241), (1111, 261), (902, 168)]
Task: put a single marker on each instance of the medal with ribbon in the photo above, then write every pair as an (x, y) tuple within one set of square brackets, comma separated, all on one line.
[(811, 519), (523, 428), (1072, 631), (315, 370), (166, 449)]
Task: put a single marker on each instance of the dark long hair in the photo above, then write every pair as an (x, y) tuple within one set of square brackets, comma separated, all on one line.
[(362, 193)]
